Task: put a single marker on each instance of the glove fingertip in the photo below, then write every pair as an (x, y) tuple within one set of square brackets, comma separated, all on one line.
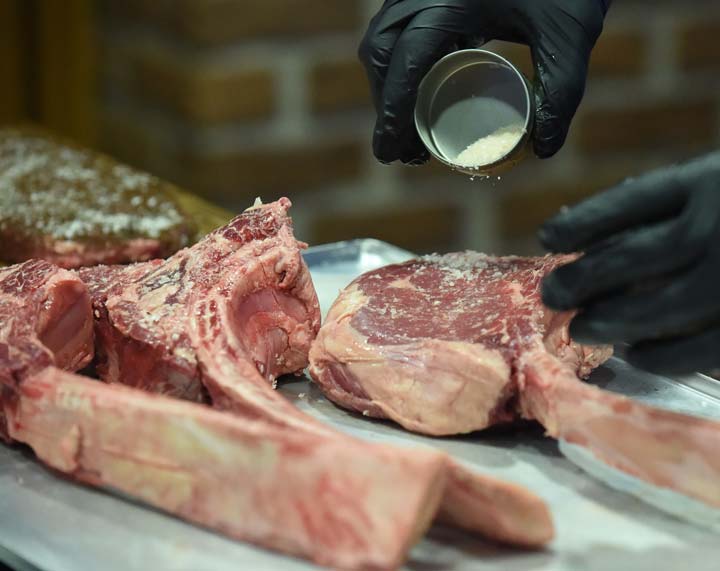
[(414, 152), (547, 237), (551, 124), (555, 236), (384, 145), (555, 295), (389, 146), (545, 149), (549, 136)]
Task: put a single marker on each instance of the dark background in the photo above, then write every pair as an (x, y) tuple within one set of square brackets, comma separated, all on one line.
[(233, 99)]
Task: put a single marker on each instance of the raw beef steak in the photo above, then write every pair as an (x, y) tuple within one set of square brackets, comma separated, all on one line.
[(45, 319), (75, 207), (456, 343), (221, 320), (434, 343), (293, 486), (345, 504), (248, 275), (341, 503)]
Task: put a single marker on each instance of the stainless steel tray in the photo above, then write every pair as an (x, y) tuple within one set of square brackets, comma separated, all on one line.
[(54, 525)]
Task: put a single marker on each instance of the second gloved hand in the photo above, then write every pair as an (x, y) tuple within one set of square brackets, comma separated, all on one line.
[(407, 37), (650, 276)]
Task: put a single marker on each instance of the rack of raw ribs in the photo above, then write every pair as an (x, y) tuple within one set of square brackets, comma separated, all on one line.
[(182, 413)]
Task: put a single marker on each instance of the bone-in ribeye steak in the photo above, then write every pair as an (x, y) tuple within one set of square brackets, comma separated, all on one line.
[(223, 318), (456, 343), (341, 503), (203, 325), (45, 319), (248, 275)]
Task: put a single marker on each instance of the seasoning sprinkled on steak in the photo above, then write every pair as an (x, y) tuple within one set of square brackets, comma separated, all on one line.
[(456, 343), (75, 207)]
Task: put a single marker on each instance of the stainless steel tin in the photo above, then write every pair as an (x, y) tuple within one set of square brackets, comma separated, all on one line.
[(467, 95)]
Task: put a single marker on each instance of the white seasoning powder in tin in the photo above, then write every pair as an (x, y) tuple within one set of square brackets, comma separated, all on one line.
[(492, 147)]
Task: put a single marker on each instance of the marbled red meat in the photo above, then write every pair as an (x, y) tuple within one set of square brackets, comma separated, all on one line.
[(45, 319), (249, 274), (218, 322), (456, 343), (340, 502)]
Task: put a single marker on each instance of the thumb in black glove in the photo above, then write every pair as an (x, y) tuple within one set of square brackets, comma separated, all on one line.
[(406, 37), (650, 276)]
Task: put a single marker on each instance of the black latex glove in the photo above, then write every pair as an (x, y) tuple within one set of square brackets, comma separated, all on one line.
[(406, 37), (650, 276)]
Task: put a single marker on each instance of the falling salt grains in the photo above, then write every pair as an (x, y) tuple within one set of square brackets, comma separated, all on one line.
[(491, 148)]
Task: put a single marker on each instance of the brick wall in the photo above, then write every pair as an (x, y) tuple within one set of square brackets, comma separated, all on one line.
[(235, 99)]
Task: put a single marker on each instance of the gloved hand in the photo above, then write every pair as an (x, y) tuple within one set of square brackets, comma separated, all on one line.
[(650, 275), (406, 37)]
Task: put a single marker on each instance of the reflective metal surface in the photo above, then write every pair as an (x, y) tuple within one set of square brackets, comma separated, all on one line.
[(467, 95), (56, 525)]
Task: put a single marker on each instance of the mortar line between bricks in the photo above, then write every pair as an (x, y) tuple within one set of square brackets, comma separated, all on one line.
[(663, 72), (236, 136), (292, 116), (278, 49)]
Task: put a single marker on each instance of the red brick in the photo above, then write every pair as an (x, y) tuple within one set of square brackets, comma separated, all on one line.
[(273, 172), (138, 10), (527, 202), (699, 45), (419, 229), (215, 21), (126, 139), (201, 92), (117, 71), (619, 54), (220, 21), (205, 215), (338, 85), (647, 126), (520, 213)]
